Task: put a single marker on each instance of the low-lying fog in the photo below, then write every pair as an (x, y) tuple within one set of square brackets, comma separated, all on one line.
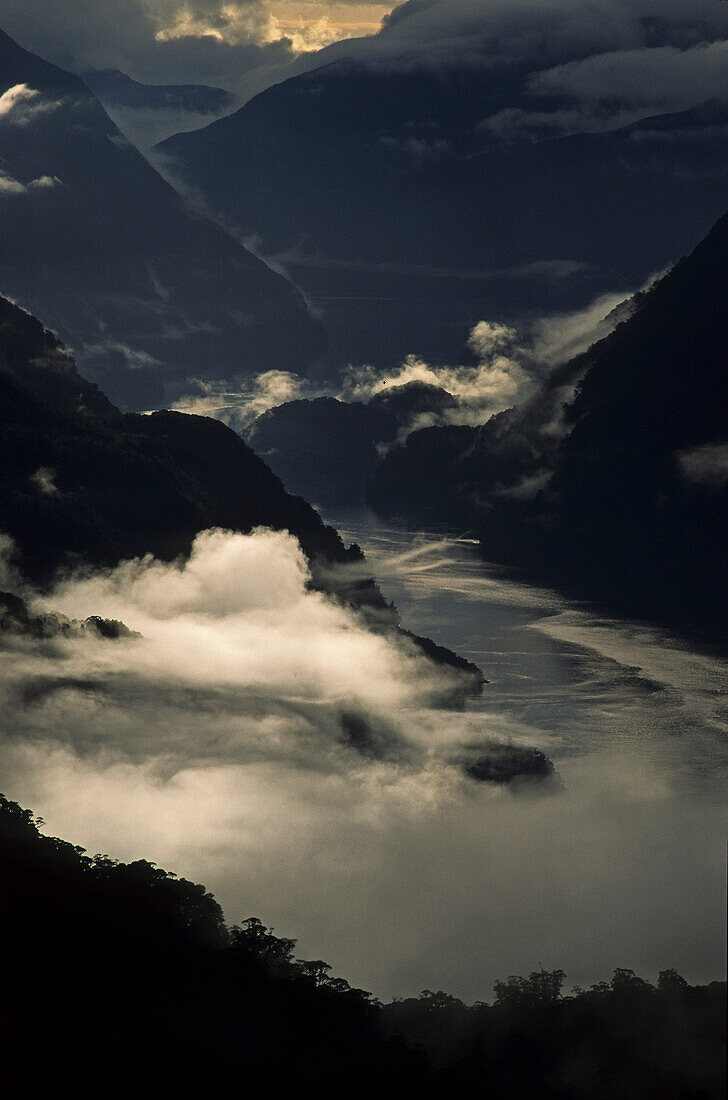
[(213, 745)]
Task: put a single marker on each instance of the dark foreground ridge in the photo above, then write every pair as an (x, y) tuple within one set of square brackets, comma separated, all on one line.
[(123, 979)]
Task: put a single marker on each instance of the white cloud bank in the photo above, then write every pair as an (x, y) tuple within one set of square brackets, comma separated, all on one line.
[(504, 376), (214, 745), (510, 366), (239, 407), (10, 186), (20, 105)]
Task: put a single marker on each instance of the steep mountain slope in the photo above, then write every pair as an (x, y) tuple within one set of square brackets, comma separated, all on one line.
[(119, 90), (98, 244), (407, 217), (141, 965), (326, 449), (79, 479), (81, 483), (619, 492)]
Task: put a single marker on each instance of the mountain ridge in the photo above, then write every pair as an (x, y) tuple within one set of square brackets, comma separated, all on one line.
[(407, 220), (96, 242), (625, 512)]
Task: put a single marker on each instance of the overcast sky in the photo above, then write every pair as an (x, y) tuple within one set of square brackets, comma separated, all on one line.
[(638, 49)]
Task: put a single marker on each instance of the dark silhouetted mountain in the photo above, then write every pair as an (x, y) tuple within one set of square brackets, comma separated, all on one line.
[(505, 763), (117, 89), (413, 399), (120, 978), (619, 492), (97, 243), (78, 479), (326, 449), (406, 220), (35, 358), (127, 978), (81, 482)]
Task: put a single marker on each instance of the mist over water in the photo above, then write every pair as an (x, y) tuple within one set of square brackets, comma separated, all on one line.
[(573, 676), (213, 745)]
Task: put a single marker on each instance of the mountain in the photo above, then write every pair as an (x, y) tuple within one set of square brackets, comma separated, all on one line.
[(141, 964), (117, 89), (82, 483), (140, 967), (613, 482), (97, 243), (327, 449), (33, 357), (406, 215), (80, 479), (149, 113)]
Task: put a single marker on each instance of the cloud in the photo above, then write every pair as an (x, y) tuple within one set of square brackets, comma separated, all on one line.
[(21, 105), (44, 480), (646, 81), (306, 26), (517, 123), (246, 46), (237, 665), (705, 465), (10, 186), (240, 45), (239, 408), (238, 625), (561, 336), (132, 358), (214, 745), (510, 370), (284, 260), (528, 488), (505, 375)]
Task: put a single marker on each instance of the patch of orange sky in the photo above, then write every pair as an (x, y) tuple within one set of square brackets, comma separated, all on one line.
[(309, 24), (343, 20)]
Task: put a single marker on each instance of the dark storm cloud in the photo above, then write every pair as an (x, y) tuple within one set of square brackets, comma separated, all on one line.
[(602, 65), (544, 30), (244, 46), (148, 39)]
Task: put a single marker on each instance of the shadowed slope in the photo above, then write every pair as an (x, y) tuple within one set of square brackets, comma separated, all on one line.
[(619, 493), (97, 243)]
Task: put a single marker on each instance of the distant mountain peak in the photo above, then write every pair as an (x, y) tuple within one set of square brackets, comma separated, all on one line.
[(147, 294), (116, 88)]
